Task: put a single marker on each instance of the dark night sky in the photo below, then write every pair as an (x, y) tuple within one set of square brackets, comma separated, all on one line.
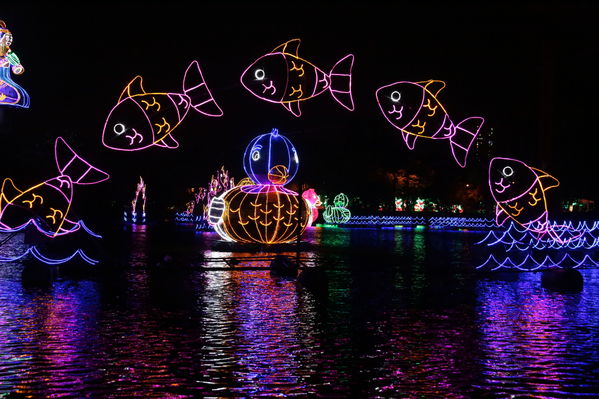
[(529, 69)]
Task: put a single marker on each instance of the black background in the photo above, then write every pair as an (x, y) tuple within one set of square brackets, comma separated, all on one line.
[(530, 69)]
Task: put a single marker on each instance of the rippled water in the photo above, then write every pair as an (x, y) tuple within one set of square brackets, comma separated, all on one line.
[(402, 314)]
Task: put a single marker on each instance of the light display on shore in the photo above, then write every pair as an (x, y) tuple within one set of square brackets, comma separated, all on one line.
[(419, 205), (282, 77), (313, 201), (10, 92), (414, 109), (399, 204), (135, 216), (264, 212), (519, 193), (46, 205), (140, 119), (338, 212)]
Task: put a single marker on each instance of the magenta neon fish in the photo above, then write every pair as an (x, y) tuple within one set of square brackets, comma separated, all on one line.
[(282, 77), (140, 120), (47, 204), (519, 191), (413, 108)]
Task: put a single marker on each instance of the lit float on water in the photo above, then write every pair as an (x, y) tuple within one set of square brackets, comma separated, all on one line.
[(338, 213), (263, 212)]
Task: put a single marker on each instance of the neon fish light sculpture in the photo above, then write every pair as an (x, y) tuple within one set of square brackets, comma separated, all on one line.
[(47, 204), (519, 193), (10, 92), (282, 77), (140, 119), (264, 212), (414, 109)]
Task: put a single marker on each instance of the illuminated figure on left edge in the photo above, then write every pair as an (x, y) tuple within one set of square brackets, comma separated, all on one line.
[(47, 204), (264, 212), (414, 109), (282, 77), (10, 92), (140, 120), (519, 191)]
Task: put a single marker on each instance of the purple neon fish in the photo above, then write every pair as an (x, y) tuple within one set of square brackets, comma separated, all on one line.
[(140, 120), (413, 108)]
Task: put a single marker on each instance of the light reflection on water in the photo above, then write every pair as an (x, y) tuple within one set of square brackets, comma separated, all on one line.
[(404, 315)]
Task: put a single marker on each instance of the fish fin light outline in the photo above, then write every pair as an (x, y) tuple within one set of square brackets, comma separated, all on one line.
[(546, 177), (9, 184), (168, 141), (433, 86), (410, 139), (293, 107), (134, 87), (340, 82), (91, 175), (195, 87), (289, 47)]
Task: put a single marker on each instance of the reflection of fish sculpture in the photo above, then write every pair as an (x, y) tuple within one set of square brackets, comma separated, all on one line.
[(47, 204), (140, 120), (282, 77), (519, 191), (414, 109)]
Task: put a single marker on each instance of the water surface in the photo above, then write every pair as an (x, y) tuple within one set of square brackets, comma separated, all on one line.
[(403, 313)]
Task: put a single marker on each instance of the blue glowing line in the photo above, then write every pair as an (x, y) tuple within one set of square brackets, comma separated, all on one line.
[(34, 223), (88, 230), (547, 262), (49, 261)]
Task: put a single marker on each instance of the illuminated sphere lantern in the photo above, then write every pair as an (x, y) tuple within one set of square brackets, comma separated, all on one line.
[(338, 213), (264, 212)]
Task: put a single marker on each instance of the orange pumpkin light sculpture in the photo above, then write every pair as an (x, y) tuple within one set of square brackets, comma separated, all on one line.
[(264, 212)]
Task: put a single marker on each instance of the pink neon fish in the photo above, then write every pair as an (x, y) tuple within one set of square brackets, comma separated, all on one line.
[(282, 77), (519, 191), (47, 204), (413, 108), (140, 120)]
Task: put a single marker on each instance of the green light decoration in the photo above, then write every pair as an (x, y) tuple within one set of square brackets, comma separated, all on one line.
[(12, 58), (337, 214), (419, 205)]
